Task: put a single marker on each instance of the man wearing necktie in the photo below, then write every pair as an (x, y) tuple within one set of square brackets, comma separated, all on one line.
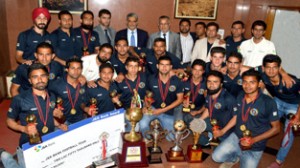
[(106, 33)]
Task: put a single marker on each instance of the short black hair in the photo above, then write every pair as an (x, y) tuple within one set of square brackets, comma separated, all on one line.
[(44, 45), (201, 23), (199, 62), (252, 72), (104, 11), (216, 74), (217, 50), (185, 20), (236, 55), (159, 39), (121, 39), (164, 17), (86, 12), (73, 59), (213, 24), (106, 45), (36, 66), (132, 59), (106, 65), (259, 23), (270, 58), (165, 58), (238, 22), (64, 12)]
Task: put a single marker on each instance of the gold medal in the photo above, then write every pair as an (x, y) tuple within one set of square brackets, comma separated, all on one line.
[(45, 129), (243, 127), (163, 105), (73, 111), (192, 106)]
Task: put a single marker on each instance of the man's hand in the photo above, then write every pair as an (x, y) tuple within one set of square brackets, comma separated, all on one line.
[(157, 111), (58, 113), (120, 78), (82, 80), (218, 133), (27, 62), (287, 80), (246, 142), (91, 84), (92, 111), (63, 127), (30, 129)]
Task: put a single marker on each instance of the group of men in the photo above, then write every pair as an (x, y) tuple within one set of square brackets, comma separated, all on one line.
[(61, 73)]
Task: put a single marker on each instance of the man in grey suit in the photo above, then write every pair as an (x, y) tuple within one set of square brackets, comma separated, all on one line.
[(106, 33), (172, 38)]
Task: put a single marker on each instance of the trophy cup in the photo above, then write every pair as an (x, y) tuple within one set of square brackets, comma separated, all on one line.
[(156, 133), (93, 105), (59, 106), (114, 94), (295, 127), (33, 138), (194, 152), (148, 102), (214, 141), (246, 137), (142, 61), (186, 98), (175, 154), (134, 149), (183, 77)]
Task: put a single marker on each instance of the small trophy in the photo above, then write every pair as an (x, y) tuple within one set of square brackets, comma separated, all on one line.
[(142, 62), (34, 138), (214, 141), (148, 102), (194, 152), (59, 106), (93, 105), (246, 137), (85, 51), (182, 76), (113, 94), (295, 127), (175, 154), (186, 98), (157, 133)]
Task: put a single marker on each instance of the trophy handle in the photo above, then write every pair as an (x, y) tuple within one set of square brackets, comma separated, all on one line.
[(148, 133), (187, 134), (168, 135)]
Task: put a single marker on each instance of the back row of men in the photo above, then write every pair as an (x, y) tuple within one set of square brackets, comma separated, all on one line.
[(185, 45)]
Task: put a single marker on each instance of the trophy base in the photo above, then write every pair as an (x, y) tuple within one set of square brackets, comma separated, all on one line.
[(296, 130), (243, 148), (173, 156), (104, 163), (194, 155), (133, 154), (35, 140), (186, 110), (214, 142), (155, 155)]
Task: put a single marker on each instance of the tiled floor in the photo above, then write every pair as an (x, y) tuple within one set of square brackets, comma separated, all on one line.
[(9, 140)]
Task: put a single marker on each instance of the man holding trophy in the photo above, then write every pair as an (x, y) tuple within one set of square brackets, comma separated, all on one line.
[(256, 121), (34, 109), (220, 110), (167, 93)]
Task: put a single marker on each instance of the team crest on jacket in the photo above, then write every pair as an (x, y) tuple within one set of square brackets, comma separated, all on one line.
[(81, 91), (142, 85), (240, 82), (51, 76), (52, 104), (218, 105), (254, 112), (172, 88), (93, 38), (201, 91)]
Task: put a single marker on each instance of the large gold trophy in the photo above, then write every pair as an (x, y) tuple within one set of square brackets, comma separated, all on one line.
[(134, 148), (194, 152), (33, 138)]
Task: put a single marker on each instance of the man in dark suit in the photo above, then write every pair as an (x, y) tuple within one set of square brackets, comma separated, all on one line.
[(106, 33), (136, 37), (172, 38)]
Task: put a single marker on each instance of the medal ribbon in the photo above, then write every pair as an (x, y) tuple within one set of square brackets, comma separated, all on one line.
[(76, 95), (246, 115), (163, 94), (211, 105), (40, 111), (195, 93), (136, 85), (86, 41)]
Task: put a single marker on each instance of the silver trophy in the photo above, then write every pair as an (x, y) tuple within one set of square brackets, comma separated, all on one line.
[(180, 133), (156, 134)]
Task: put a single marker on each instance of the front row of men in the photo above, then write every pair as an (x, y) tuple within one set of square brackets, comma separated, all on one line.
[(210, 99)]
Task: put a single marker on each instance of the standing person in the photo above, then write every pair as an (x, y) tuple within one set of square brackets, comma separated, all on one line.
[(287, 100), (72, 93), (203, 47), (172, 39), (106, 33), (29, 39), (35, 101), (136, 37), (86, 40), (63, 38), (254, 49), (257, 113), (200, 30), (234, 41), (44, 55), (101, 92), (187, 40), (168, 94)]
